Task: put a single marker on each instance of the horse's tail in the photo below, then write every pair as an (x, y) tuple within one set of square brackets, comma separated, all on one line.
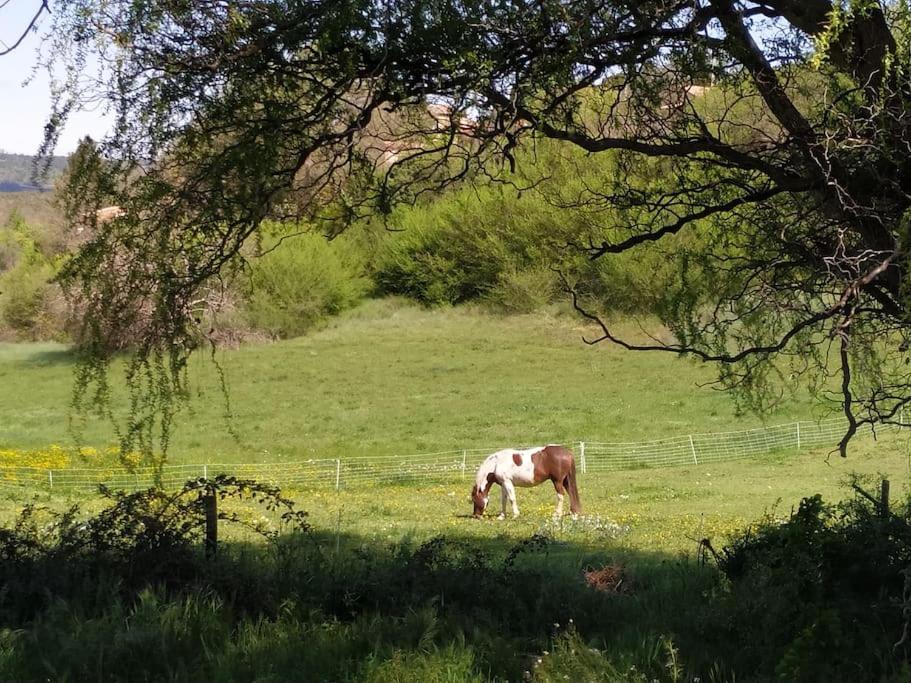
[(575, 505)]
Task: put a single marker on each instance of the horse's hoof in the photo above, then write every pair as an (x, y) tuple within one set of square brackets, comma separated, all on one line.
[(501, 516)]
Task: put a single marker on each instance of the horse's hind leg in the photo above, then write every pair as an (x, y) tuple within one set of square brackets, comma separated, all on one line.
[(558, 486)]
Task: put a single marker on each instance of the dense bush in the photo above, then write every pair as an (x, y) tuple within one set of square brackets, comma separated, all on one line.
[(505, 247), (826, 595), (31, 306), (301, 281)]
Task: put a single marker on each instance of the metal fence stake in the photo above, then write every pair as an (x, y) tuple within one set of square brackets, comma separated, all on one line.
[(50, 478), (798, 436), (582, 456), (693, 449), (464, 457), (338, 472)]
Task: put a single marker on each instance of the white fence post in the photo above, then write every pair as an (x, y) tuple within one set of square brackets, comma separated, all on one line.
[(798, 435), (205, 471), (50, 478), (464, 457), (582, 456), (693, 450), (338, 472)]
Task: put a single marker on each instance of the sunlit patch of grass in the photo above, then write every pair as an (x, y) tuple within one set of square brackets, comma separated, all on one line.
[(392, 378)]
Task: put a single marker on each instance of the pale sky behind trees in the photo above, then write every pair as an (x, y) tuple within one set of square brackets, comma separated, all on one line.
[(24, 109)]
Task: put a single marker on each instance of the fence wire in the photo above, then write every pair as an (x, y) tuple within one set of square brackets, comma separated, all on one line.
[(443, 466)]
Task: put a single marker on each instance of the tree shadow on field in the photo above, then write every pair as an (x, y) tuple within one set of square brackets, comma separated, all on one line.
[(324, 606), (44, 357)]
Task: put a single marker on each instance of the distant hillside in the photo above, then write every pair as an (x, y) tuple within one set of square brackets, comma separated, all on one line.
[(16, 172)]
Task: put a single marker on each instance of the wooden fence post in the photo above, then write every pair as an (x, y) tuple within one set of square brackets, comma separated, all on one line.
[(210, 502), (884, 498)]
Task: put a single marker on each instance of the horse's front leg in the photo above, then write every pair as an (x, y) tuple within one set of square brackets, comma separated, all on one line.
[(511, 493), (503, 497)]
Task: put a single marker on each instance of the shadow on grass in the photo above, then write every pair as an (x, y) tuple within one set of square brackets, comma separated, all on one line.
[(333, 607), (48, 357), (127, 598)]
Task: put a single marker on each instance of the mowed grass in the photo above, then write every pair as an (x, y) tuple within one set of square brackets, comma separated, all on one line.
[(390, 378)]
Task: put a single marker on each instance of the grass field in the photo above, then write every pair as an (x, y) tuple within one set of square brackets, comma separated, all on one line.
[(395, 582), (390, 378)]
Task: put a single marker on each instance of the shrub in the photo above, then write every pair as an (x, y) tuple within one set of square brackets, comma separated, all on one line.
[(495, 246), (446, 254), (303, 280), (523, 291), (31, 305), (819, 596)]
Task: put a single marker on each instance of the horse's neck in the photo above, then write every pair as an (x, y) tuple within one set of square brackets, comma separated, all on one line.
[(487, 467)]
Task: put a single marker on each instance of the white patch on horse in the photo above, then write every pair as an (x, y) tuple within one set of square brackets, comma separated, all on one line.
[(507, 473)]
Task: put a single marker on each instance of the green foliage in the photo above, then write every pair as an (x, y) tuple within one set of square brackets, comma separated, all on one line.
[(450, 251), (142, 538), (523, 291), (820, 595), (504, 247), (814, 598), (30, 305), (301, 281)]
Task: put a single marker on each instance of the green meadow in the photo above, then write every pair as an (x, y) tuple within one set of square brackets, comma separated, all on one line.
[(398, 582), (392, 378)]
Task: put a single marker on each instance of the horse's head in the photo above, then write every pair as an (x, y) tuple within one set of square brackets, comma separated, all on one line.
[(479, 499)]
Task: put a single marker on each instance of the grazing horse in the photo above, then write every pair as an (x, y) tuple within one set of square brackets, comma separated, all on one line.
[(513, 467)]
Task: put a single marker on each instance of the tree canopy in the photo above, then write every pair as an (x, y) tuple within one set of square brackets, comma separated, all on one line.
[(776, 131)]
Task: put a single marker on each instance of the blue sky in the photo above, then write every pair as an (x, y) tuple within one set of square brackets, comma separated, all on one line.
[(24, 110)]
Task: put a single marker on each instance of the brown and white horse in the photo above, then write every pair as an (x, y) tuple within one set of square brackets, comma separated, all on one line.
[(513, 467)]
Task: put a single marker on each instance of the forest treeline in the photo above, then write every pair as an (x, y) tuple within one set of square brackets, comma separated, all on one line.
[(20, 172)]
